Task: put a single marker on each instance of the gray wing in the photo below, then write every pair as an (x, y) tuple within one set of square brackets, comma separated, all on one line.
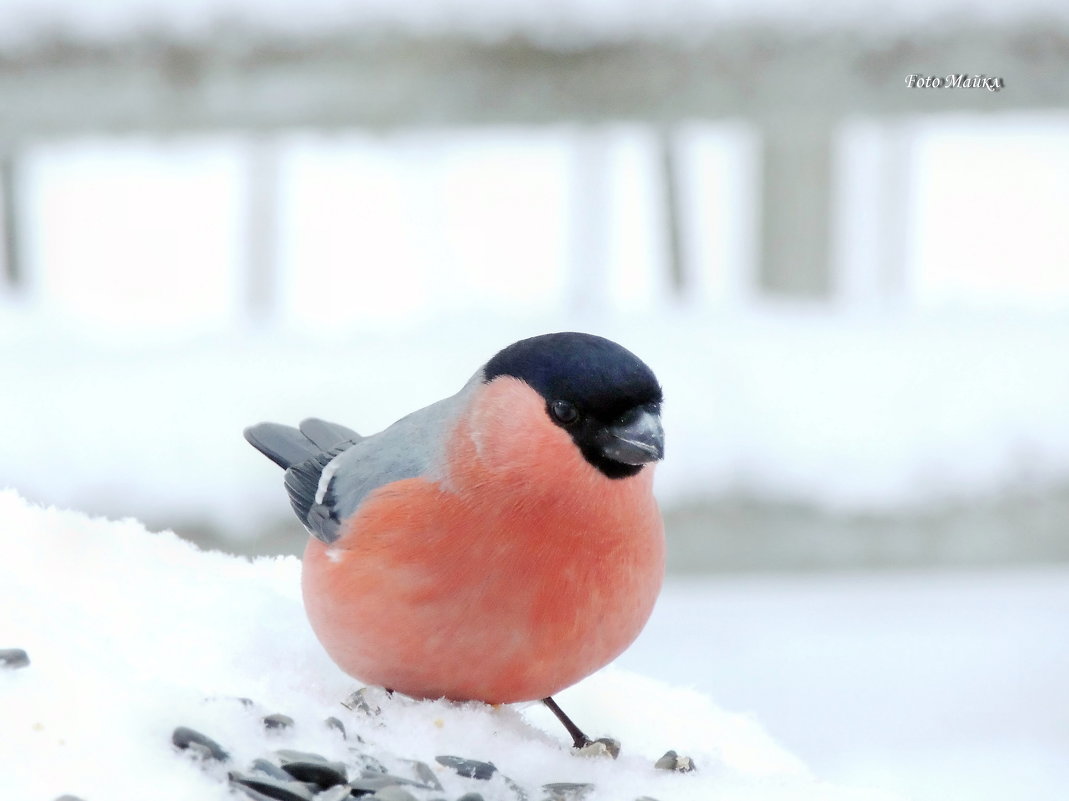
[(330, 469), (411, 448)]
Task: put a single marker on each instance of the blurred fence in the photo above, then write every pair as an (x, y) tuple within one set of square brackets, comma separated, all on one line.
[(795, 85)]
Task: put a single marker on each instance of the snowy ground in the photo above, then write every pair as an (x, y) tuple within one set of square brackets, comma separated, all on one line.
[(938, 686), (943, 686), (131, 634)]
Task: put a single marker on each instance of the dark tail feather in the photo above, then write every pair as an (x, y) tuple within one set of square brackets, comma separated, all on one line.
[(302, 485), (327, 436), (283, 445)]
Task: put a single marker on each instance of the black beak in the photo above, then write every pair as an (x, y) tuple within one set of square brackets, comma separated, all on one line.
[(636, 438)]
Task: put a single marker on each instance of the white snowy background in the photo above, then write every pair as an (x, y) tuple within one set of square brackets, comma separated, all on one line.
[(130, 366)]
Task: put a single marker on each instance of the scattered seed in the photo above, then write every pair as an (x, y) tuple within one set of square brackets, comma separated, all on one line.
[(204, 746), (13, 658), (471, 768)]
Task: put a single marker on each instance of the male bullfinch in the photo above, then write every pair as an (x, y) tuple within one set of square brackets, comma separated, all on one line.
[(498, 545)]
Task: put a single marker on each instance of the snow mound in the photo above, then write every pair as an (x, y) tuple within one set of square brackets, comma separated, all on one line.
[(131, 634)]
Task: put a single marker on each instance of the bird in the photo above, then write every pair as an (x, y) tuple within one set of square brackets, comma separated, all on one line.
[(498, 545)]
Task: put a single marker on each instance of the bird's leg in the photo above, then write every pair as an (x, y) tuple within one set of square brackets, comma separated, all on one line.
[(578, 738)]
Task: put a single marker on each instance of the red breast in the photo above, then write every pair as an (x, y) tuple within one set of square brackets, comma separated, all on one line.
[(518, 571)]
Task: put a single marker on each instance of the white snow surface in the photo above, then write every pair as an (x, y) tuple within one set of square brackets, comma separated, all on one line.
[(132, 633), (941, 685)]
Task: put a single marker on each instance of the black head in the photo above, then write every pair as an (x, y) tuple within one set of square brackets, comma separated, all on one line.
[(603, 395)]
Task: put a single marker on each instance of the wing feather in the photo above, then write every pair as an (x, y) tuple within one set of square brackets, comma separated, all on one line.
[(330, 469)]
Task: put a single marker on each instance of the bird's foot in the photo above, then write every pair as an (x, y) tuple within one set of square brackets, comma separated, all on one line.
[(364, 700), (584, 746), (603, 746), (674, 762)]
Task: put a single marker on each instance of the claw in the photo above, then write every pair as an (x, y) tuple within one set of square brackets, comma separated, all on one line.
[(603, 746), (674, 762)]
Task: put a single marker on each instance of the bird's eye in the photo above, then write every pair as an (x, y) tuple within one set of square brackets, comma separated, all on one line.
[(564, 411)]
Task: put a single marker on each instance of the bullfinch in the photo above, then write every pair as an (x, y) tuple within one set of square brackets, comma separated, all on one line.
[(498, 545)]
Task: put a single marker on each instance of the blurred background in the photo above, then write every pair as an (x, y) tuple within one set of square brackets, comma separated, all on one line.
[(856, 295)]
